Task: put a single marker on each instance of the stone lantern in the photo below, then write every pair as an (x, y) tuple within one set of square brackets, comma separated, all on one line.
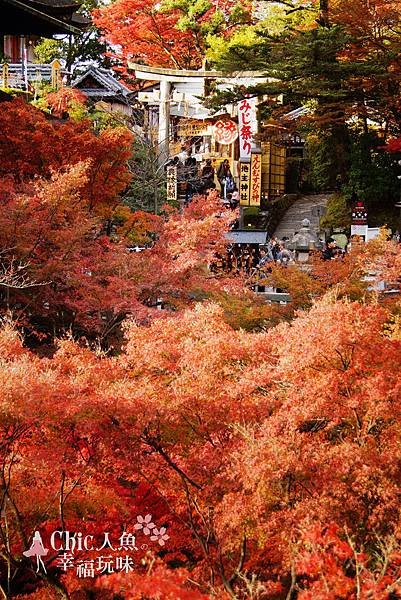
[(304, 241)]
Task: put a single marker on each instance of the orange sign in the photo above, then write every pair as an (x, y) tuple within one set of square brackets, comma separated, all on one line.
[(256, 179), (225, 132)]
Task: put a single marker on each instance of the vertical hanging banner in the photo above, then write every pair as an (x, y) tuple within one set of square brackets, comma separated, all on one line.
[(172, 183), (247, 125), (256, 178), (25, 61), (244, 181)]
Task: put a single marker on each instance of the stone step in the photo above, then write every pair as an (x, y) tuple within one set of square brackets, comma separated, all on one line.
[(307, 207)]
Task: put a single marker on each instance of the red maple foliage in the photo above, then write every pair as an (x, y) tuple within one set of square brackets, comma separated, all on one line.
[(149, 32), (143, 32), (62, 273), (373, 28), (270, 459), (33, 145), (62, 270), (247, 464), (63, 100)]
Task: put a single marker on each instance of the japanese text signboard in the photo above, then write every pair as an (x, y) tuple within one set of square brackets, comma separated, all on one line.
[(172, 183), (248, 126), (256, 178), (192, 128), (244, 181)]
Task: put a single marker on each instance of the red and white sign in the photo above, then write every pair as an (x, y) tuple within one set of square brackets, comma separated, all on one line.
[(248, 126), (225, 132), (359, 214)]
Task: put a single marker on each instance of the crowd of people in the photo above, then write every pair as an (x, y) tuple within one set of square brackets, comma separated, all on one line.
[(251, 258), (201, 180)]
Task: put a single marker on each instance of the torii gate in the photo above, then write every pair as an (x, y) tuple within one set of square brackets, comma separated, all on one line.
[(167, 77)]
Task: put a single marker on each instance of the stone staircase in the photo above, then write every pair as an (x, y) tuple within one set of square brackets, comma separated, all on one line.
[(311, 207)]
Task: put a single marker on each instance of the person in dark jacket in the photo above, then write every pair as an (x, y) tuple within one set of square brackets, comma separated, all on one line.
[(225, 178), (329, 251), (207, 176)]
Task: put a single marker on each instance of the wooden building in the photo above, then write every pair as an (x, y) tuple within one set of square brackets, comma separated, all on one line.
[(179, 121), (99, 85), (23, 22)]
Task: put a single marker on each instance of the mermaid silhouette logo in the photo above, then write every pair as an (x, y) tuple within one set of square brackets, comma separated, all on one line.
[(37, 549)]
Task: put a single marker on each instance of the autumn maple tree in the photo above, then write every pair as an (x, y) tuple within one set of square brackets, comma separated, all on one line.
[(249, 451), (247, 463), (34, 145), (67, 270), (269, 458), (169, 34)]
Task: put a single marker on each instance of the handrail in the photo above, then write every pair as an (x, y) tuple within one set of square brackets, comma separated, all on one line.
[(17, 75)]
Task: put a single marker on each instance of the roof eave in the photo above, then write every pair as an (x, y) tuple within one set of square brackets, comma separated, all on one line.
[(64, 27)]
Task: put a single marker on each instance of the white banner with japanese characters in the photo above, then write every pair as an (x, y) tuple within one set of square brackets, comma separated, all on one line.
[(247, 125), (172, 183)]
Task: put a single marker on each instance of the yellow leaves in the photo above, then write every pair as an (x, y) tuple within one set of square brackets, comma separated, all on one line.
[(393, 327), (64, 187)]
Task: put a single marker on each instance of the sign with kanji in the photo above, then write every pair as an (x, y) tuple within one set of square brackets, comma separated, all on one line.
[(248, 126), (225, 131), (192, 128), (172, 183), (256, 178), (359, 214), (244, 181)]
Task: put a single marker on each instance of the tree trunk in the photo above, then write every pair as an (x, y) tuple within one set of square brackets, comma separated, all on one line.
[(324, 13)]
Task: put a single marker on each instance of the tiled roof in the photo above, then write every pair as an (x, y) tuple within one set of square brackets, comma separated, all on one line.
[(109, 86), (297, 113), (43, 18), (247, 237), (55, 4)]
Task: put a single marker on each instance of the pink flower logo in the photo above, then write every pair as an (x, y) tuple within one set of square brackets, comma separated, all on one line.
[(145, 523), (160, 535)]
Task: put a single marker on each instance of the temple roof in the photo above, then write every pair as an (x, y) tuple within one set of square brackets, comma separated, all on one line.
[(99, 83), (43, 18), (237, 236), (57, 3)]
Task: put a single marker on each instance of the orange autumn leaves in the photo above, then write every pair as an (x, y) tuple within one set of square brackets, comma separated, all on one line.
[(35, 145), (60, 195), (262, 448)]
